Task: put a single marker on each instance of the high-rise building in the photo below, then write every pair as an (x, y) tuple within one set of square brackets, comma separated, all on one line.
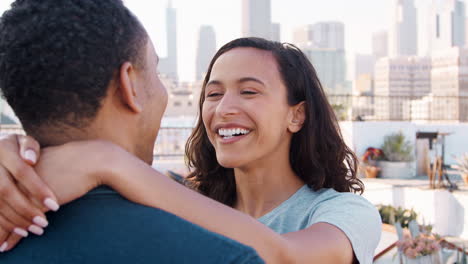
[(168, 65), (302, 36), (205, 51), (399, 80), (323, 43), (449, 84), (323, 35), (275, 32), (402, 39), (330, 65), (380, 44), (362, 64), (447, 22), (328, 35), (256, 18)]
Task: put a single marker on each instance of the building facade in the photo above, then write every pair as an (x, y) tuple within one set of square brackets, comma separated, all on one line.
[(402, 40), (256, 18), (205, 51)]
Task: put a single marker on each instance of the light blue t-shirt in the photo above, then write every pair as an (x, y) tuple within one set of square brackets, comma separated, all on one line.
[(351, 213)]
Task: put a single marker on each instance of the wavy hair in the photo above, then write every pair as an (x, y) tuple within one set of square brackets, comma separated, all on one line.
[(318, 153)]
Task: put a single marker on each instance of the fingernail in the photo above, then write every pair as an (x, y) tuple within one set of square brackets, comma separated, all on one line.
[(21, 232), (3, 247), (36, 230), (30, 155), (51, 204), (40, 221)]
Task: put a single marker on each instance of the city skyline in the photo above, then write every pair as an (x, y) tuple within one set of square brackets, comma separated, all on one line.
[(226, 19), (226, 16)]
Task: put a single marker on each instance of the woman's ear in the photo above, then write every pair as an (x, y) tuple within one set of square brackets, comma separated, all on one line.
[(297, 117), (127, 87)]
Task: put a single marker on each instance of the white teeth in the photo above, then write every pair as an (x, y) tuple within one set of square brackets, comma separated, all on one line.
[(228, 133)]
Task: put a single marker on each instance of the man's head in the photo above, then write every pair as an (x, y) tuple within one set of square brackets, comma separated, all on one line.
[(81, 69)]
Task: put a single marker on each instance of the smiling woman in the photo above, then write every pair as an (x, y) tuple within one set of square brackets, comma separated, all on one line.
[(268, 152)]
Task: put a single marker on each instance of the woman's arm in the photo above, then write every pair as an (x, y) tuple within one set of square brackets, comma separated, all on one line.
[(75, 168), (320, 243)]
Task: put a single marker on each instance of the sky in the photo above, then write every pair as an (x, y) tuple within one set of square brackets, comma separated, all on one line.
[(361, 19)]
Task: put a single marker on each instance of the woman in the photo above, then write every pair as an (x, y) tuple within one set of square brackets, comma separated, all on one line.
[(267, 144)]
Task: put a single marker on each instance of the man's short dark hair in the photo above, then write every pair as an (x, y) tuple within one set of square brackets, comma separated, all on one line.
[(57, 57)]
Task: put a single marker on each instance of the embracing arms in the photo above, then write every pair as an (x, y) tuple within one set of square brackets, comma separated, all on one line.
[(70, 174)]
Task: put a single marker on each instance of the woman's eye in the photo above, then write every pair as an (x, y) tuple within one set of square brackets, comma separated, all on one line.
[(249, 92), (214, 94)]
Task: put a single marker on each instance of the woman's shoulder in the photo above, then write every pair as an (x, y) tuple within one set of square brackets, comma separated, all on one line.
[(328, 195), (330, 203)]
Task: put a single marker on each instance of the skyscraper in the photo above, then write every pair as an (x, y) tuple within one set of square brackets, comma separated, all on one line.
[(168, 65), (447, 24), (205, 51), (380, 44), (328, 35), (275, 32), (403, 29), (322, 35), (256, 18), (323, 43)]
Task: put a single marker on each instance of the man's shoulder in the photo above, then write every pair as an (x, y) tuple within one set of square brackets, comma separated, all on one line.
[(106, 227)]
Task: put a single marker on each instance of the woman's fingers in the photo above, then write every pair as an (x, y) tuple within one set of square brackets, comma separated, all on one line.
[(11, 242), (29, 149), (21, 170), (18, 209), (3, 238)]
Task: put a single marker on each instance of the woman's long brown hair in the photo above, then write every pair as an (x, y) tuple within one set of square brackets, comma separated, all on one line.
[(318, 154)]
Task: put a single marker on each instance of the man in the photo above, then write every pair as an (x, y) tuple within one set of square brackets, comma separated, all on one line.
[(86, 69)]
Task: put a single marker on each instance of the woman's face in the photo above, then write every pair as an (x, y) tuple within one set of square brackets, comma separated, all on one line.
[(245, 112)]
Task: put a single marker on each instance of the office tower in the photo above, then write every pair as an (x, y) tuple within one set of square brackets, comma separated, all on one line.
[(205, 51), (447, 25), (449, 84), (256, 18), (380, 44), (402, 39), (275, 33), (302, 36), (168, 65), (362, 64), (323, 43), (330, 65), (322, 35), (399, 80), (328, 35)]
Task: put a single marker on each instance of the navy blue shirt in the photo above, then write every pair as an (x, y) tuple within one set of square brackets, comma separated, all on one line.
[(104, 227)]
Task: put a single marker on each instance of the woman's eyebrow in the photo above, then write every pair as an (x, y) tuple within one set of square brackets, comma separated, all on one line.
[(250, 79)]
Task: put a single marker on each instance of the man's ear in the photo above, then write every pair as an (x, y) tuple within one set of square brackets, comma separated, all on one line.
[(128, 87), (297, 117)]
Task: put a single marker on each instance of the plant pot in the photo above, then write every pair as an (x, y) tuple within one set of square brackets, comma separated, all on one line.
[(371, 171), (435, 258), (397, 170)]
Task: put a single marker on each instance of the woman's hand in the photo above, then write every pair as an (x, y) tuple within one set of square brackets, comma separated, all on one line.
[(70, 170), (75, 168), (23, 195)]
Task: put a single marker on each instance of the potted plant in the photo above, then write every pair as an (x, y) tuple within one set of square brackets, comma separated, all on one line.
[(391, 215), (462, 167), (369, 161), (422, 249), (397, 157)]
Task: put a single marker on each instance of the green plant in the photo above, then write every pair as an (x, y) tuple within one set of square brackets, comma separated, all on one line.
[(397, 148), (391, 215)]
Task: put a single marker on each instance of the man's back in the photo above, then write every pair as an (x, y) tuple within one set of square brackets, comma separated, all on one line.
[(103, 227)]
